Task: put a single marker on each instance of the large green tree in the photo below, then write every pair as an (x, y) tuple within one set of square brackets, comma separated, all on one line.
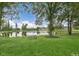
[(44, 11), (73, 9), (69, 14)]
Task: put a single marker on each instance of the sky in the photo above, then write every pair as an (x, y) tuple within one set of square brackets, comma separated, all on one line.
[(24, 15), (24, 18)]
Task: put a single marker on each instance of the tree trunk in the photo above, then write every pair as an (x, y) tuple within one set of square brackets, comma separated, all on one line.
[(69, 26), (0, 22), (38, 30), (0, 17), (50, 18), (8, 29), (50, 28), (0, 27), (16, 30)]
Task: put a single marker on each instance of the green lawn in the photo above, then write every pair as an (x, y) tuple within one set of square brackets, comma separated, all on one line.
[(40, 46)]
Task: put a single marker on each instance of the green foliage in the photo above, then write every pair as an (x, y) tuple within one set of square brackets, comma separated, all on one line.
[(44, 11), (4, 5), (38, 28)]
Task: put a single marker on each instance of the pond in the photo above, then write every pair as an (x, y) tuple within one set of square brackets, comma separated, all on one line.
[(28, 34)]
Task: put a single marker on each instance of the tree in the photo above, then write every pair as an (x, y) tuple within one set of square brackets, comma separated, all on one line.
[(8, 11), (73, 9), (24, 28), (44, 11), (6, 29), (2, 6), (16, 29), (69, 14)]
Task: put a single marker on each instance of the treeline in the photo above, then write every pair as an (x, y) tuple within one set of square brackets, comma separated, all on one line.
[(52, 12)]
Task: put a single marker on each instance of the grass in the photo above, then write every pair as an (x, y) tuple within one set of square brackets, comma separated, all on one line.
[(40, 46)]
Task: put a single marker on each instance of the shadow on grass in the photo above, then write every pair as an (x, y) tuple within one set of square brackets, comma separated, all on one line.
[(41, 37), (51, 36), (76, 34), (32, 37), (72, 35)]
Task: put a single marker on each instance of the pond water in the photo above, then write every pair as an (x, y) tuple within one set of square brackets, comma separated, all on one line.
[(28, 34)]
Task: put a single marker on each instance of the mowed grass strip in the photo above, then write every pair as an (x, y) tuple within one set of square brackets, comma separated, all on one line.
[(40, 46)]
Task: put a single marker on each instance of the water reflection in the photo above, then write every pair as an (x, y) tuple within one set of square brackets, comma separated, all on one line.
[(19, 34)]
